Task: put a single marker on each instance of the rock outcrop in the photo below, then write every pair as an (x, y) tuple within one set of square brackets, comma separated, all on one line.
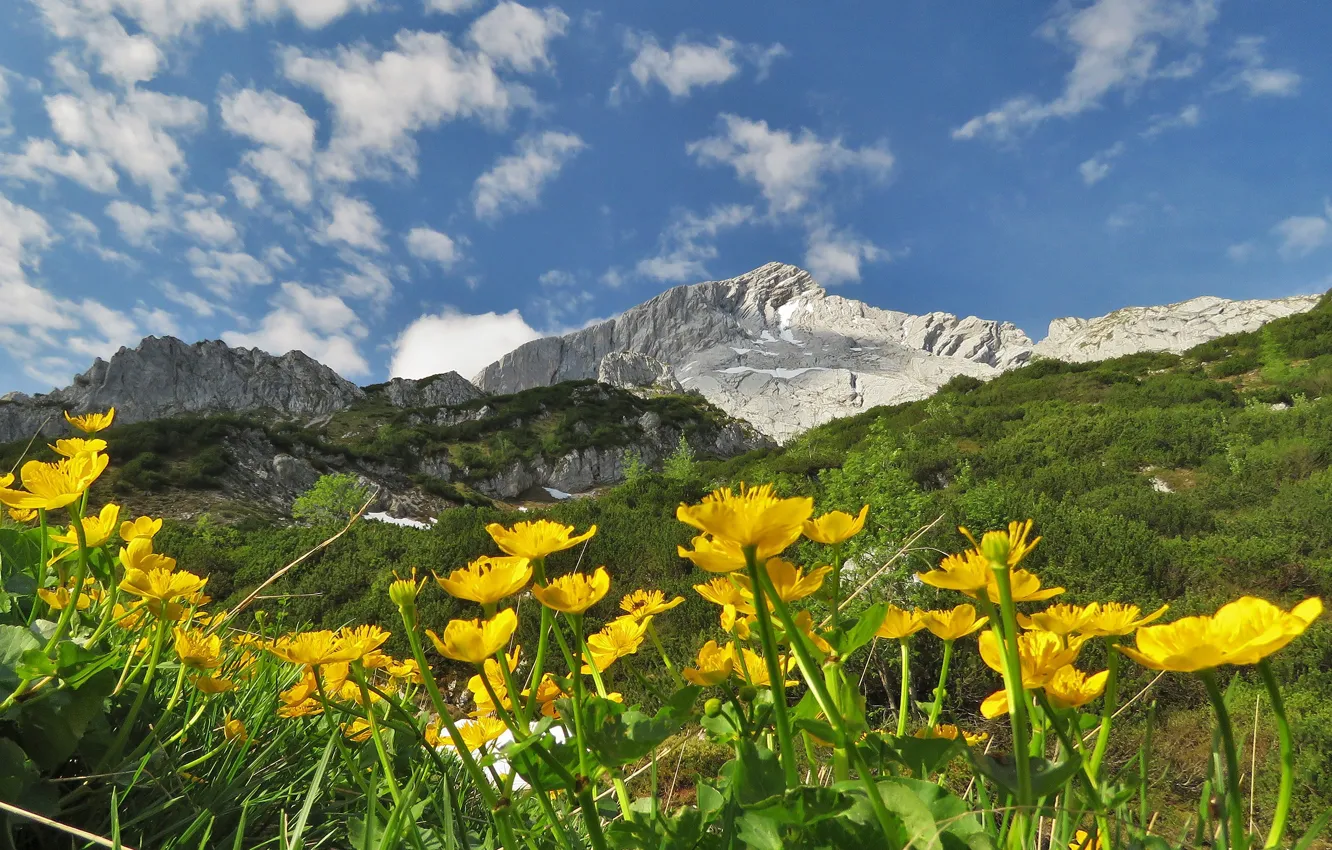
[(166, 377), (1173, 327), (633, 371), (434, 391)]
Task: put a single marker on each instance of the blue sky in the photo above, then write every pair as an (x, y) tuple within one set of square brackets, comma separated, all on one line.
[(399, 187)]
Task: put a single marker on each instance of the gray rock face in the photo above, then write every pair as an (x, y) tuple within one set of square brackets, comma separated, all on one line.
[(166, 377), (437, 390), (773, 347), (1173, 327), (631, 370)]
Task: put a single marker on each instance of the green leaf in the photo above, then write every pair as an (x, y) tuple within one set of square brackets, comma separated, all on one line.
[(710, 800), (1047, 777), (862, 632), (1315, 829), (14, 641), (722, 728), (817, 728), (922, 756), (900, 797), (626, 738), (758, 776), (806, 805), (760, 832), (51, 729)]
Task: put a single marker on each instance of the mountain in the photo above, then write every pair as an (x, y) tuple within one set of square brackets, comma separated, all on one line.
[(774, 348)]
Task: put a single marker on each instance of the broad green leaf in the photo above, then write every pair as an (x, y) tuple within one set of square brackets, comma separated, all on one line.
[(758, 776), (900, 797), (863, 631), (1047, 777), (805, 806), (14, 641), (760, 832)]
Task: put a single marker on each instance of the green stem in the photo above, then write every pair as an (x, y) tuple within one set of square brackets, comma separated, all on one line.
[(1017, 695), (392, 781), (1282, 811), (666, 659), (835, 584), (1110, 703), (144, 687), (941, 690), (904, 702), (80, 573), (543, 640), (776, 676), (1233, 800), (39, 569), (585, 799)]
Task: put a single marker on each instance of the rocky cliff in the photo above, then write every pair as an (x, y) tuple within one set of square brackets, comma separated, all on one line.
[(773, 347)]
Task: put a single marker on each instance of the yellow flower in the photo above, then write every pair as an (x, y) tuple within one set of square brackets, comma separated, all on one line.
[(536, 539), (234, 730), (573, 593), (1011, 545), (1069, 687), (198, 650), (91, 423), (621, 637), (722, 591), (995, 705), (752, 666), (357, 731), (1241, 632), (805, 623), (128, 618), (951, 625), (735, 622), (362, 640), (1041, 654), (211, 685), (715, 664), (835, 526), (495, 677), (642, 604), (474, 641), (952, 733), (407, 671), (898, 623), (717, 555), (96, 529), (138, 555), (1116, 618), (77, 445), (1082, 841), (487, 580), (1062, 619), (160, 588), (967, 572), (1026, 587), (51, 486), (313, 648), (143, 526), (21, 514), (790, 581), (477, 733), (755, 516), (304, 708)]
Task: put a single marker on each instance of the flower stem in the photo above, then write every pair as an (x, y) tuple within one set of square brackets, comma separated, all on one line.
[(905, 699), (144, 687), (776, 676), (585, 799), (941, 691), (666, 659), (1108, 708), (1282, 810), (1236, 830), (392, 781), (543, 640), (1017, 695), (80, 573)]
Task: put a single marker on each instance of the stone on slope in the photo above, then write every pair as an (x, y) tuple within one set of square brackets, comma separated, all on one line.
[(434, 391)]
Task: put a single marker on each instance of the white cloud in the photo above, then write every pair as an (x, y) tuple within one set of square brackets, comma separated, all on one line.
[(378, 102), (24, 235), (42, 158), (688, 65), (515, 182), (556, 279), (424, 243), (834, 257), (210, 226), (319, 324), (156, 320), (354, 223), (111, 330), (133, 131), (245, 190), (285, 134), (85, 235), (1254, 77), (222, 270), (312, 14), (458, 342), (449, 7), (364, 279), (192, 301), (788, 169), (1118, 44), (137, 224), (276, 257), (514, 35), (1097, 168), (1189, 116), (1301, 235), (688, 243), (1241, 251)]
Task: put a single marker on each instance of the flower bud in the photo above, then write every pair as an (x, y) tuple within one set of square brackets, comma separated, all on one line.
[(995, 547), (748, 693), (403, 591), (712, 708)]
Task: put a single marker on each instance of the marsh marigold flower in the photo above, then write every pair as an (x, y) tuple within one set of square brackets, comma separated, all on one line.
[(736, 622), (723, 591), (718, 555), (753, 516), (198, 650), (1040, 653), (51, 486), (22, 514), (952, 733), (313, 648), (1069, 687), (753, 667), (160, 588), (1009, 546), (144, 526), (91, 423), (791, 582), (967, 572), (357, 731), (96, 529), (804, 621), (1117, 619), (899, 623), (1061, 619), (59, 597), (715, 664), (1026, 587), (835, 526), (537, 539), (951, 625), (138, 555), (573, 593), (473, 641), (623, 636), (642, 604), (1241, 632), (212, 685), (76, 446), (477, 733), (488, 580), (234, 730)]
